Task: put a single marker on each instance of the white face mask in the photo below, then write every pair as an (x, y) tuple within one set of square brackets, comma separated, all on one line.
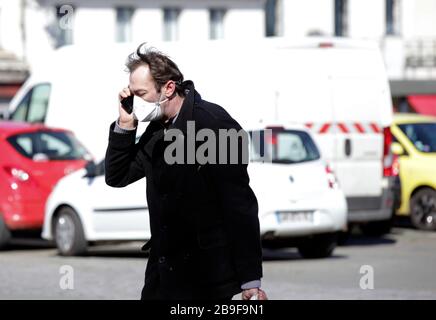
[(147, 111)]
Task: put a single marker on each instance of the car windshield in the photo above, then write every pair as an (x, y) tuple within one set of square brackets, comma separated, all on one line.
[(49, 145), (422, 135), (282, 146)]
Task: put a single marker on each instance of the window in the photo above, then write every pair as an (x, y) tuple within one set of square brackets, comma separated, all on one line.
[(421, 135), (20, 113), (64, 27), (52, 145), (33, 107), (124, 24), (271, 18), (393, 17), (341, 18), (171, 21), (39, 103), (216, 18), (283, 146), (25, 145)]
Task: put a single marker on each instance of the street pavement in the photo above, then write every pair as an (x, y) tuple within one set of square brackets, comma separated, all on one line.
[(400, 265)]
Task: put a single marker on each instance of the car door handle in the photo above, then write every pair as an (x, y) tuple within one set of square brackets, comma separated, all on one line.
[(348, 147)]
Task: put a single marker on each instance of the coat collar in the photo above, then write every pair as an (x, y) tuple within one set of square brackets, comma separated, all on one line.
[(192, 98)]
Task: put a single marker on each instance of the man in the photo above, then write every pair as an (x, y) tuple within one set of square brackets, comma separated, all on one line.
[(205, 241)]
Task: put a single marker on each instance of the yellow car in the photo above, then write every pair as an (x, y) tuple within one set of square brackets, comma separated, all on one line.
[(414, 142)]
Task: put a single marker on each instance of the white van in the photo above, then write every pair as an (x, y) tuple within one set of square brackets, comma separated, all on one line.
[(338, 88)]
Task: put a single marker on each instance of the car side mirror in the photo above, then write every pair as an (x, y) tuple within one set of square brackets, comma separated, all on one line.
[(397, 148), (91, 169)]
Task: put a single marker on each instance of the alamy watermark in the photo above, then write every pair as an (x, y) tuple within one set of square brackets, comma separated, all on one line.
[(367, 279), (206, 146), (66, 17), (66, 281)]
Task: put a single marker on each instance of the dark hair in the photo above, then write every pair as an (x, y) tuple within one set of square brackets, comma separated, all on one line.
[(162, 68)]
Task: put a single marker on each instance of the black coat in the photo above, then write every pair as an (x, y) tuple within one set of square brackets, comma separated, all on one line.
[(205, 239)]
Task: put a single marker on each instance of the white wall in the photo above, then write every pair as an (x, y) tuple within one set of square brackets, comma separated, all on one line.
[(147, 25), (244, 24), (194, 24), (95, 21), (418, 18), (94, 25), (366, 18), (300, 17), (10, 34)]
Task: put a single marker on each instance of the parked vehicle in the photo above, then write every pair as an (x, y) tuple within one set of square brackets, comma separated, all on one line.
[(415, 145), (300, 201), (298, 197), (97, 213), (336, 87), (33, 158)]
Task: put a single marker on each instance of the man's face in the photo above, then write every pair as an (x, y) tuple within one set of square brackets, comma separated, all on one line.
[(141, 84)]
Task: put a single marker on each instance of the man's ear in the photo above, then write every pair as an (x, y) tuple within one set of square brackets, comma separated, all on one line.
[(170, 89)]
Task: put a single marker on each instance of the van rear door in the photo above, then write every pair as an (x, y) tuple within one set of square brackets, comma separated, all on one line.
[(361, 109)]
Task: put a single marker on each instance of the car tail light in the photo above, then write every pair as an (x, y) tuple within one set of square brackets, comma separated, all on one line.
[(273, 139), (390, 160), (331, 178), (325, 45), (17, 173)]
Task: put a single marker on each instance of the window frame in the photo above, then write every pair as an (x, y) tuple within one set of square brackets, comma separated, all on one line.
[(216, 23), (341, 18), (170, 25), (124, 31), (28, 96)]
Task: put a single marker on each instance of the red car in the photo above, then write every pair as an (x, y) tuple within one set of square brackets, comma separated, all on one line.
[(33, 158)]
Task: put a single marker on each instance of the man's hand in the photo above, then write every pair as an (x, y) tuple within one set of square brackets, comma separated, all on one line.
[(126, 121), (248, 293)]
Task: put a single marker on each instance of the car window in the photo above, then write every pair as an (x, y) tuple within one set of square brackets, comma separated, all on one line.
[(39, 103), (283, 146), (49, 144), (33, 106), (24, 145), (422, 135), (20, 113)]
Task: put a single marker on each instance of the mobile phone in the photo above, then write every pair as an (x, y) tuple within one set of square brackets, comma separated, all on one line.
[(127, 104)]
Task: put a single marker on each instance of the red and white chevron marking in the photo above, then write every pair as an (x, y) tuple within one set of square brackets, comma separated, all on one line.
[(344, 127)]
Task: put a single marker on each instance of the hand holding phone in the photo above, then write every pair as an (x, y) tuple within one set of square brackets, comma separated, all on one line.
[(126, 119), (127, 104)]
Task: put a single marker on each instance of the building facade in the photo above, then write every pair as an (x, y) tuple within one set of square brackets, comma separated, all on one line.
[(405, 29)]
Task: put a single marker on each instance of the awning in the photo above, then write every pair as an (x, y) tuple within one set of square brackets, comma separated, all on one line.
[(425, 104)]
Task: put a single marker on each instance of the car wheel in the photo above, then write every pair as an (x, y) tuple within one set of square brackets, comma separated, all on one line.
[(377, 228), (319, 246), (5, 234), (69, 236), (423, 209), (344, 237)]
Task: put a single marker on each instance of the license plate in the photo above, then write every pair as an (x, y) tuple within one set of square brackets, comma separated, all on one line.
[(294, 216)]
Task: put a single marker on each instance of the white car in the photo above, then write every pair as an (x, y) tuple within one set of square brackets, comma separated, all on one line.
[(82, 208), (298, 195), (300, 202)]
